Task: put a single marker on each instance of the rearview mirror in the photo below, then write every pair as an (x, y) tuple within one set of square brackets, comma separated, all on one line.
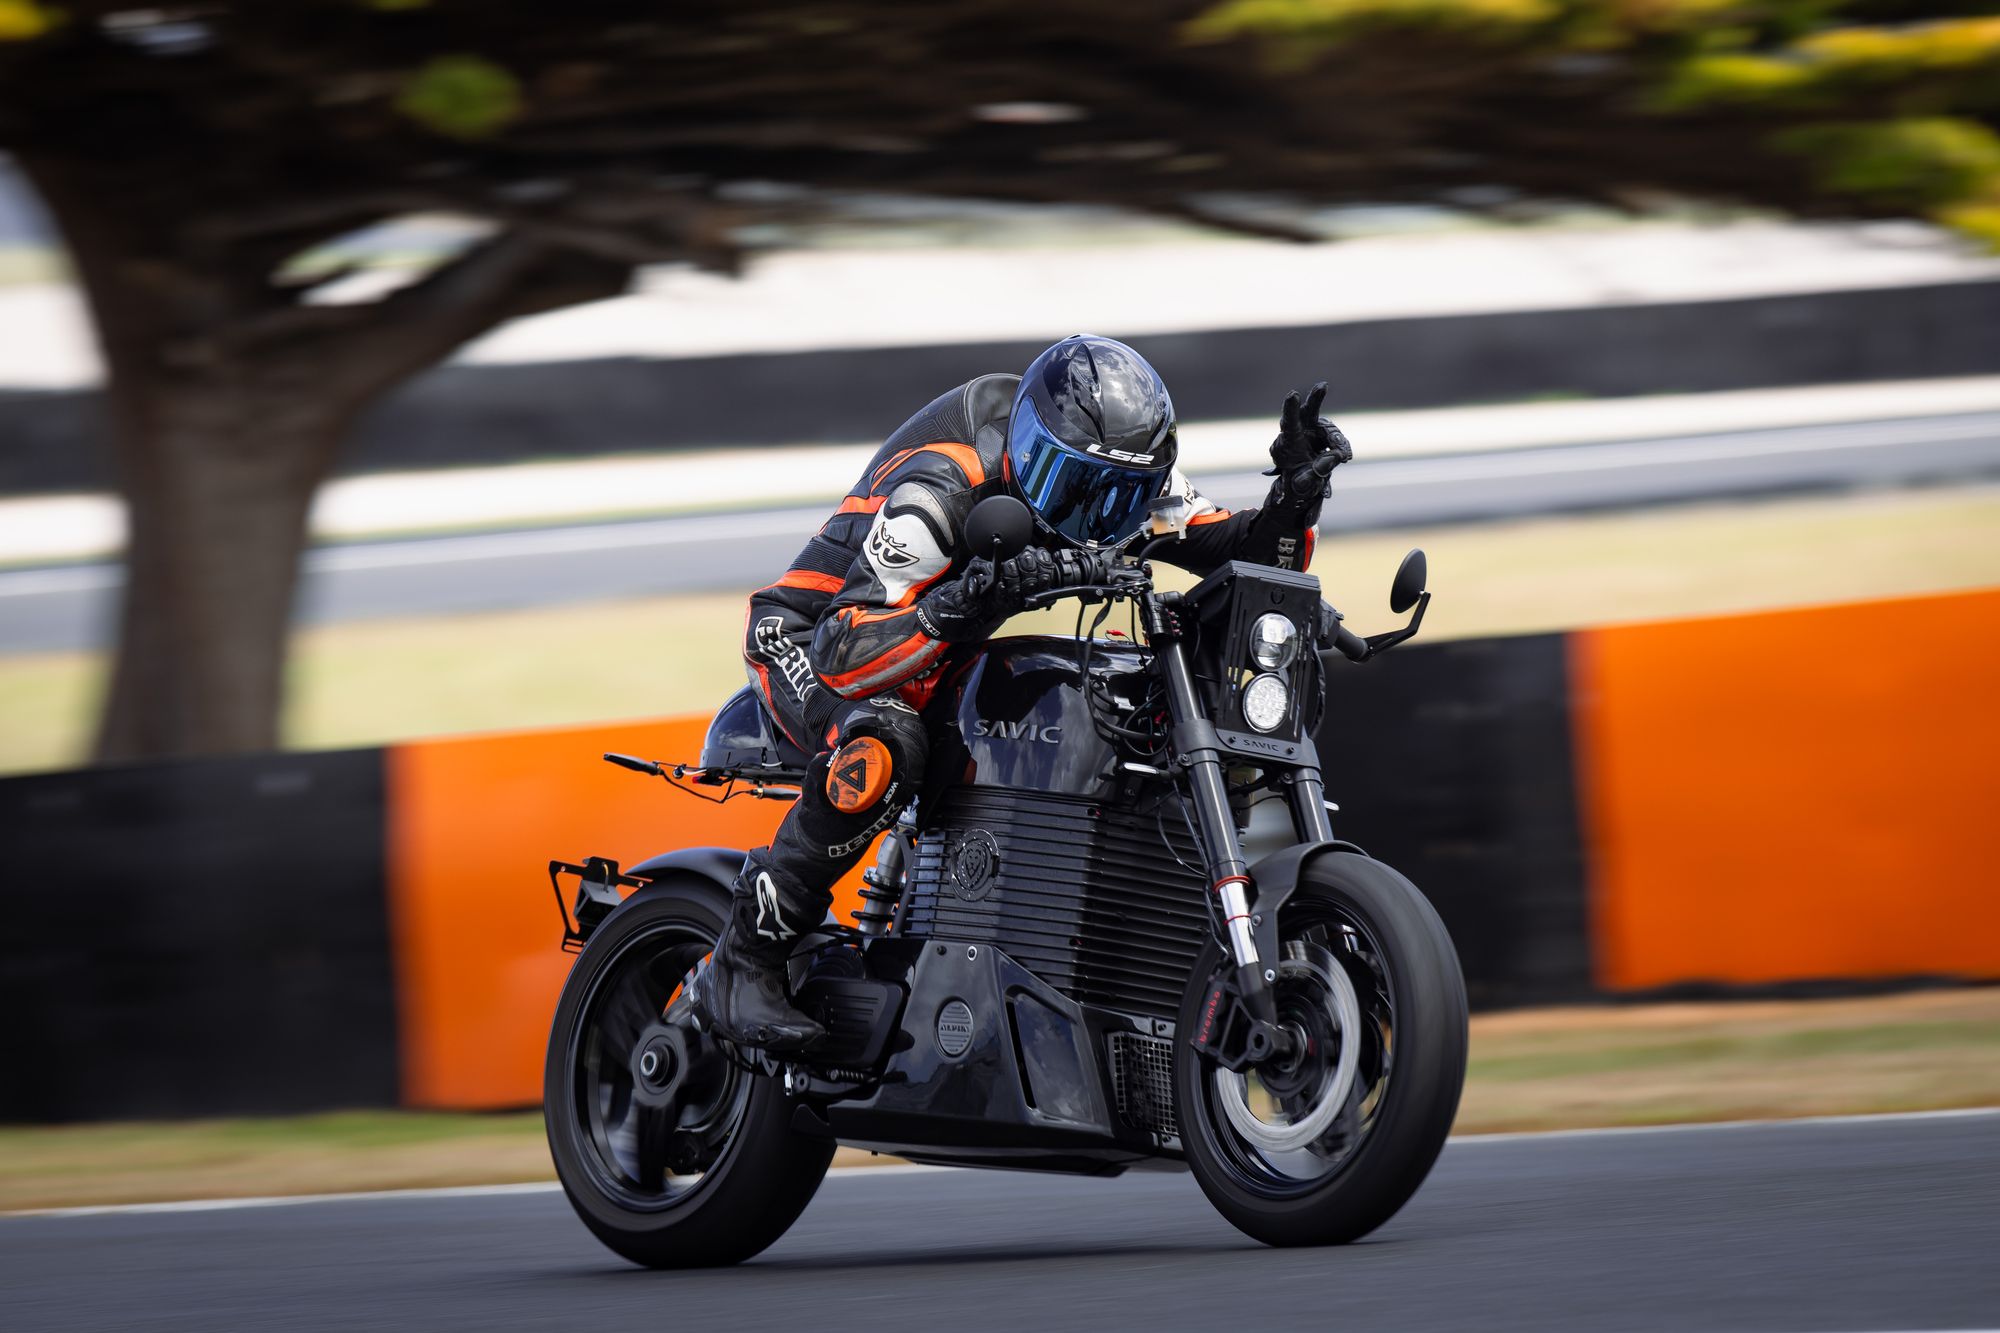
[(1411, 576), (999, 528)]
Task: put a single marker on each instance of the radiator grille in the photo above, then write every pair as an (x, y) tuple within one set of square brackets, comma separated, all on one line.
[(1142, 1081), (1089, 899)]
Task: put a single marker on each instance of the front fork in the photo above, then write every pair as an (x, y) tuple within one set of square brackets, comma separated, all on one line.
[(1198, 750)]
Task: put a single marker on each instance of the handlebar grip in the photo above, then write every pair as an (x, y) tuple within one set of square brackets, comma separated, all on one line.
[(637, 765), (1334, 634)]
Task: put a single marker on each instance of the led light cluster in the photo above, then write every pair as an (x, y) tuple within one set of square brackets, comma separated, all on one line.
[(1274, 644)]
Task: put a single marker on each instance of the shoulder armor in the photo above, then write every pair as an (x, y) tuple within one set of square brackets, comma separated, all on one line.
[(923, 501)]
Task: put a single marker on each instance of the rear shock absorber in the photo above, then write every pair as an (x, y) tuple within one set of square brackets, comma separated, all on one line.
[(882, 883)]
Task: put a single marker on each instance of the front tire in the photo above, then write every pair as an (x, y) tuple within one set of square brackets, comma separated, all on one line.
[(698, 1172), (1363, 917)]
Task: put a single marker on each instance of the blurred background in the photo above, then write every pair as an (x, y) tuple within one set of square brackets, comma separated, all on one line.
[(399, 399)]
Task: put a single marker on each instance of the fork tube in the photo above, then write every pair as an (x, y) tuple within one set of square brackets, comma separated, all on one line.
[(1195, 748), (1309, 819)]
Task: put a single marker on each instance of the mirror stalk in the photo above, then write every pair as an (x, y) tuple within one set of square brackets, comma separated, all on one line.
[(1389, 639)]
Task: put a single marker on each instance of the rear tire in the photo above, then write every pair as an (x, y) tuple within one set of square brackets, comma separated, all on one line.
[(1395, 950), (763, 1174)]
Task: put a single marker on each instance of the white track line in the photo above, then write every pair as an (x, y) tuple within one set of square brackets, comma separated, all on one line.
[(1616, 1131), (289, 1200), (912, 1168), (364, 1196)]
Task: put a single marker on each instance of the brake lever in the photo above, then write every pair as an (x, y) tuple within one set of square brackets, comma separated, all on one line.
[(1035, 601)]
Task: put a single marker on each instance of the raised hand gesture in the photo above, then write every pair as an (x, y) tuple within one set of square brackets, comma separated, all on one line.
[(1305, 441)]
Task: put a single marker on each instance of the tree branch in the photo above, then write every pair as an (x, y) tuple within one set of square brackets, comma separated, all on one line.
[(508, 277), (289, 219)]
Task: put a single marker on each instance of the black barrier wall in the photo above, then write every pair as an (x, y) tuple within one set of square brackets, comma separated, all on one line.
[(489, 414), (197, 938), (1453, 762)]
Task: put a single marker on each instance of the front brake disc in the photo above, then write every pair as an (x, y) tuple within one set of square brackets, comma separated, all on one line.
[(1311, 965)]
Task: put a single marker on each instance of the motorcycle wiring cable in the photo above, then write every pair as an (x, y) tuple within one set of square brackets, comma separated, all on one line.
[(1145, 742)]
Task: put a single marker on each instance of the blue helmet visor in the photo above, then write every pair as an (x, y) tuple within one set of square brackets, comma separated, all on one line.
[(1083, 498)]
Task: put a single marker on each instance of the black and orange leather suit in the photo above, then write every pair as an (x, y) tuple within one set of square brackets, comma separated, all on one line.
[(839, 648)]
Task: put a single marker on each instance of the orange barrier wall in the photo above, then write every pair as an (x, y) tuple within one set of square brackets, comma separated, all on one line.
[(1785, 796), (472, 824), (1793, 795)]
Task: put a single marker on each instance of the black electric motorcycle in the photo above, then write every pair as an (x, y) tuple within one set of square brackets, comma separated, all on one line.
[(1062, 962)]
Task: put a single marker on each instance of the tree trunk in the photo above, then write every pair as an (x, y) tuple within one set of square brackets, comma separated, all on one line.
[(229, 397), (218, 457), (219, 488)]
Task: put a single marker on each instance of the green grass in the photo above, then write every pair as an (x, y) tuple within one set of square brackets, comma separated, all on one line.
[(1662, 1064), (369, 682), (1762, 1049), (82, 1164), (340, 1130)]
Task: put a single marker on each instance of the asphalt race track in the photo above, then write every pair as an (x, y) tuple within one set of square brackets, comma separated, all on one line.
[(1832, 1225), (71, 607)]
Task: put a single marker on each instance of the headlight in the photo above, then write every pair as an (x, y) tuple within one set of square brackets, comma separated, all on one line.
[(1274, 641), (1265, 701)]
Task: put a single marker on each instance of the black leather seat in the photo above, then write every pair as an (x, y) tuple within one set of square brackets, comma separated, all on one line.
[(742, 737)]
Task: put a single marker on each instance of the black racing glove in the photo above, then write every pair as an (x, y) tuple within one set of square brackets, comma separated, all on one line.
[(970, 607), (1305, 438), (1021, 577)]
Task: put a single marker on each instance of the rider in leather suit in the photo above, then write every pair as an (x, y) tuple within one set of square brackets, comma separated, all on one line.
[(884, 602)]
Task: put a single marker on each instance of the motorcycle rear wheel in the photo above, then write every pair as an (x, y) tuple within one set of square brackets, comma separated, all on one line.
[(666, 1178), (1398, 1108)]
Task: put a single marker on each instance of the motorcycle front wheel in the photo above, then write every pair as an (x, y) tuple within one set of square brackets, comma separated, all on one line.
[(672, 1153), (1326, 1147)]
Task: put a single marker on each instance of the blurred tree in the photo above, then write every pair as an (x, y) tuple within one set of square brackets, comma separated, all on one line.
[(198, 156)]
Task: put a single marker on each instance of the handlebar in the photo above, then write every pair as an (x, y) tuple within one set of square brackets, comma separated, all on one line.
[(1130, 579), (1350, 645), (1334, 634), (1126, 581)]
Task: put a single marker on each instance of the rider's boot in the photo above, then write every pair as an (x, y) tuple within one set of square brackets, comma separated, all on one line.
[(741, 993)]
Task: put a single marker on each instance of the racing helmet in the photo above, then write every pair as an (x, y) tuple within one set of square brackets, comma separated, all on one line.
[(1092, 441)]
